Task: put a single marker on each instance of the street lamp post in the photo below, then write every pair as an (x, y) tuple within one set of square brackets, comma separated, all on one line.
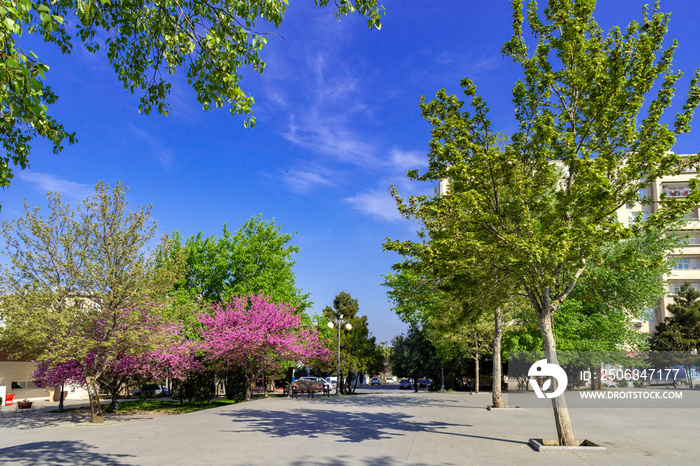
[(339, 323)]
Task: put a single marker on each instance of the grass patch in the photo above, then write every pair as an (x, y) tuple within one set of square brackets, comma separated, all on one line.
[(165, 406)]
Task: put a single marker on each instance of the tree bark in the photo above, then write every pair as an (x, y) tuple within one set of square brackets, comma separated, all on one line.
[(442, 377), (115, 398), (250, 386), (60, 400), (565, 431), (476, 372), (597, 383), (95, 408), (496, 395)]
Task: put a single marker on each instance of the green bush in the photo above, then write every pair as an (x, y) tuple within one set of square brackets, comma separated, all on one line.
[(235, 385), (201, 387)]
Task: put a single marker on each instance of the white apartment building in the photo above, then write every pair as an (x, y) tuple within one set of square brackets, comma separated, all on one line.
[(687, 265)]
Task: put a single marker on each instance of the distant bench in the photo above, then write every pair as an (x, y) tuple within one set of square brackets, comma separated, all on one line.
[(310, 387)]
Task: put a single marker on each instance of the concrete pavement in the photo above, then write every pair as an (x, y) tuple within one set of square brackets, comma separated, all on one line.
[(378, 429)]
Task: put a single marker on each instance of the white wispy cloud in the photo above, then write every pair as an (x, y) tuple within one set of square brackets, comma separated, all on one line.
[(327, 123), (301, 181), (330, 136), (46, 182), (376, 203), (488, 63), (160, 152), (407, 160)]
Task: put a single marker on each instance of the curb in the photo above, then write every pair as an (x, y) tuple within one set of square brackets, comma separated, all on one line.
[(552, 445)]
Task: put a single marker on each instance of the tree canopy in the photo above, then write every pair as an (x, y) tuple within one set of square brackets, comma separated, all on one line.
[(681, 331), (256, 259), (80, 286), (539, 204), (145, 42), (413, 355), (359, 351), (256, 335)]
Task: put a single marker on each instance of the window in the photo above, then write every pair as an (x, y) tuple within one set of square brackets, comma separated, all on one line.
[(676, 190), (648, 314), (682, 264), (692, 215), (642, 193), (693, 238), (675, 287), (23, 384)]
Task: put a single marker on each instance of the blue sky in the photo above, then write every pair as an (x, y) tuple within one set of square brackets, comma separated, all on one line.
[(337, 124)]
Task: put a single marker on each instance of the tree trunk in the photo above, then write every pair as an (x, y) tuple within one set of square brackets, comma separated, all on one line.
[(60, 400), (95, 408), (442, 377), (250, 386), (354, 387), (476, 373), (496, 395), (114, 391), (565, 431)]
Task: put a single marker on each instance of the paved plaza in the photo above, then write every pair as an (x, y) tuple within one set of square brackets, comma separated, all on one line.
[(387, 428)]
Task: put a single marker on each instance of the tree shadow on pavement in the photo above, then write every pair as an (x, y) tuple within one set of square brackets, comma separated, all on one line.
[(348, 426), (342, 460), (41, 419), (392, 401), (59, 453)]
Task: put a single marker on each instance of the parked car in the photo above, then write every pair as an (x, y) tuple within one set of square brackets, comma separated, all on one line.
[(375, 381), (153, 390), (606, 384), (405, 383), (391, 380), (332, 381), (326, 383), (424, 384)]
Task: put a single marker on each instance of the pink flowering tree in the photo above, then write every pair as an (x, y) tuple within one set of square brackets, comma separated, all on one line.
[(174, 360), (256, 335), (133, 343)]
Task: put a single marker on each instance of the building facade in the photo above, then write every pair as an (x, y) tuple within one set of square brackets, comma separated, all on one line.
[(686, 259)]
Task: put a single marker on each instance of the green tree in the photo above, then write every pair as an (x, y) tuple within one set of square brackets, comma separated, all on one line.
[(76, 279), (148, 41), (256, 259), (453, 309), (359, 351), (467, 340), (413, 356), (680, 333), (540, 204)]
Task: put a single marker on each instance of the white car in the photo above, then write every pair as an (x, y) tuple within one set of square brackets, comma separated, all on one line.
[(326, 383), (606, 384), (332, 381)]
